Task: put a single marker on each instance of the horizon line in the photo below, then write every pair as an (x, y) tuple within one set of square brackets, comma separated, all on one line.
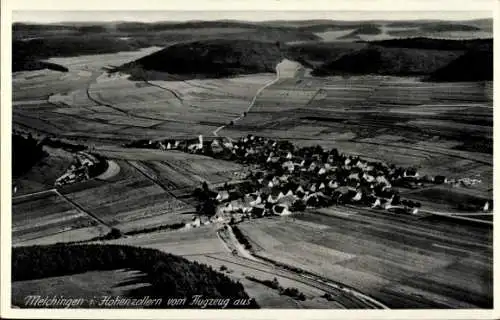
[(141, 16)]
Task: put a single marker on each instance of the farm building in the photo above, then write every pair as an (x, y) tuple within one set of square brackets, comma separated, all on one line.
[(281, 210)]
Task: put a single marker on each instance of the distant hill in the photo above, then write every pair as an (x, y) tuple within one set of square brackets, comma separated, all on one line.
[(212, 58), (443, 27), (169, 275), (26, 54), (368, 29), (474, 65), (439, 25), (317, 53), (433, 44), (388, 61)]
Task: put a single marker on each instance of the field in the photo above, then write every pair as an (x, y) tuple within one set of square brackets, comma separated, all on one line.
[(43, 175), (394, 262), (443, 128), (439, 128), (203, 245), (128, 200), (48, 217), (87, 104), (83, 285)]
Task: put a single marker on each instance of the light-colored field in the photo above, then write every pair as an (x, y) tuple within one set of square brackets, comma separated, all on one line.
[(49, 218), (194, 241), (128, 197), (88, 285), (96, 62), (239, 268), (434, 127), (378, 253)]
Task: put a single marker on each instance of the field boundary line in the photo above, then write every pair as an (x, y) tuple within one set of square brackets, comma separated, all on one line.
[(158, 183), (76, 205), (252, 103), (34, 194), (308, 277)]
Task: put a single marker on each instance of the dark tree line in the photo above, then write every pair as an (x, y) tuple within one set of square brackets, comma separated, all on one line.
[(170, 276), (26, 152)]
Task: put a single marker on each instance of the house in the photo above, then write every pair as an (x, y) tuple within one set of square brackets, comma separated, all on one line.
[(284, 178), (333, 184), (321, 186), (321, 171), (289, 156), (253, 199), (258, 211), (368, 177), (329, 167), (300, 189), (486, 206), (281, 210), (272, 199), (313, 187), (300, 195), (353, 176), (410, 173), (312, 200), (196, 222), (228, 144), (313, 166), (377, 203), (381, 180), (287, 200), (289, 165), (440, 179), (272, 159), (357, 197), (222, 196), (289, 193)]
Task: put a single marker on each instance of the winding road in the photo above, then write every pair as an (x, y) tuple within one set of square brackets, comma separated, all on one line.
[(347, 297), (252, 103)]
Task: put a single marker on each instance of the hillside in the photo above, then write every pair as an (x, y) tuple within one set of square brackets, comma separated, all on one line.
[(317, 53), (169, 275), (388, 61), (443, 27), (26, 152), (474, 65), (368, 29), (434, 44), (212, 58)]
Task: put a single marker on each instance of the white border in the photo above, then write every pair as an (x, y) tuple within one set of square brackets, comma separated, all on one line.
[(7, 6)]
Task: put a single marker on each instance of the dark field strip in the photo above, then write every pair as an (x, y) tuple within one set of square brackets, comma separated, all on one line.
[(110, 210), (81, 186), (440, 276), (392, 229), (483, 300), (49, 194), (37, 209), (55, 227)]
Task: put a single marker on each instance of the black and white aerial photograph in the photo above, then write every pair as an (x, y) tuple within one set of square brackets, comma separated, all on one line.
[(251, 160)]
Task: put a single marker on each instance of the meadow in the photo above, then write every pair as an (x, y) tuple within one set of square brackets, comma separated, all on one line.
[(394, 262), (48, 217)]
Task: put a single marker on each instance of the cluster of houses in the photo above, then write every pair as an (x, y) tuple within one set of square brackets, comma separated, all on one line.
[(292, 179), (79, 169)]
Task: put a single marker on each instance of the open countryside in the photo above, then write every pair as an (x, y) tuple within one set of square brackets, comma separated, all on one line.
[(338, 165)]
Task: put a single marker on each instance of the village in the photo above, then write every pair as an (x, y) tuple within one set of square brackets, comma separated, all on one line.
[(289, 179), (82, 169)]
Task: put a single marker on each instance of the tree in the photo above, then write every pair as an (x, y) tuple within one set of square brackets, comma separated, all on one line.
[(208, 208), (205, 186)]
